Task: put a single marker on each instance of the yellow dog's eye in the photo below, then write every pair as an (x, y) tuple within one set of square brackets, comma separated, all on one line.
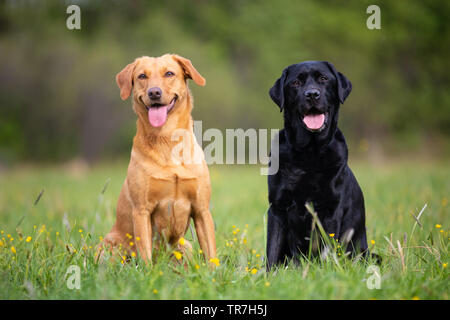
[(142, 76), (169, 74)]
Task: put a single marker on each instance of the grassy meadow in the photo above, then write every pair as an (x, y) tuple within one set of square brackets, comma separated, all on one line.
[(40, 241)]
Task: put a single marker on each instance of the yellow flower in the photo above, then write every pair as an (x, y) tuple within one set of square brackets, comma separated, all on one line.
[(258, 255), (80, 230), (441, 231), (213, 280), (254, 251), (138, 238), (246, 225), (254, 271), (133, 254), (267, 283), (1, 243), (415, 298), (197, 266), (28, 239), (216, 261), (444, 202), (372, 241), (57, 233), (438, 226), (131, 243), (246, 269), (122, 262), (331, 235), (13, 250), (128, 235), (101, 238), (178, 255), (444, 265), (234, 226), (244, 241), (155, 291), (161, 273), (182, 241), (8, 236), (200, 251)]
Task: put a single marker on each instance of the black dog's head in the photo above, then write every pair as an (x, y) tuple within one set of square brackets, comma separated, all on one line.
[(310, 93)]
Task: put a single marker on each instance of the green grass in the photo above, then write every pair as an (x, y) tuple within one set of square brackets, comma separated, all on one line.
[(414, 262)]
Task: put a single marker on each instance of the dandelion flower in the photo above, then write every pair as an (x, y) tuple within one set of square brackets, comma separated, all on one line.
[(331, 235), (13, 250), (80, 230), (155, 291), (101, 238), (258, 255), (138, 238), (57, 233), (131, 243), (182, 241), (28, 239), (213, 280), (1, 243), (197, 266), (133, 254), (372, 241), (200, 251), (438, 226), (254, 271), (444, 265), (216, 261), (234, 226), (161, 273), (415, 298), (267, 283), (178, 255)]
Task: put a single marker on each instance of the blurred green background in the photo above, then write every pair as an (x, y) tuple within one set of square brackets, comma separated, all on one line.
[(59, 100)]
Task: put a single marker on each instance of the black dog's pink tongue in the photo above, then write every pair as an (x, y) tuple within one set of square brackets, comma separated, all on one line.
[(157, 115), (314, 121)]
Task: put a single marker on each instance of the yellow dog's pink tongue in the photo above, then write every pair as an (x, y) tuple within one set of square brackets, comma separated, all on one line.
[(157, 115), (314, 121)]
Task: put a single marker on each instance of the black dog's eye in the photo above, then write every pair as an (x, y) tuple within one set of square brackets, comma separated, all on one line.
[(169, 74), (296, 83), (142, 76), (323, 78)]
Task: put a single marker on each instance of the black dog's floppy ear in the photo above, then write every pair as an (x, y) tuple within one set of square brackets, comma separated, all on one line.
[(344, 85), (277, 91)]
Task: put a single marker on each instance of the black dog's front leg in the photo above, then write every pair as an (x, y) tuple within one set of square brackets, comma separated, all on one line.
[(277, 244)]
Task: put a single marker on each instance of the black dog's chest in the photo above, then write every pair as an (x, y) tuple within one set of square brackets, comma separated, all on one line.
[(309, 187)]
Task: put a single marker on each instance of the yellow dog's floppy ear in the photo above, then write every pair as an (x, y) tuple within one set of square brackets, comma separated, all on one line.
[(124, 80), (189, 70)]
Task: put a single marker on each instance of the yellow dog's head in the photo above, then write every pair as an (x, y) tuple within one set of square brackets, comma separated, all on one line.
[(158, 85)]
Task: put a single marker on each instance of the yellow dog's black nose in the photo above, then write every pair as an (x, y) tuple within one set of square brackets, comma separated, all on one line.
[(154, 93)]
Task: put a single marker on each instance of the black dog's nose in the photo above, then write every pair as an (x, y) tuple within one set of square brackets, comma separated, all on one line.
[(154, 93), (312, 94)]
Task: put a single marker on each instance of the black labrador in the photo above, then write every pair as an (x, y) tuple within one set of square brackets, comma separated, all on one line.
[(312, 161)]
